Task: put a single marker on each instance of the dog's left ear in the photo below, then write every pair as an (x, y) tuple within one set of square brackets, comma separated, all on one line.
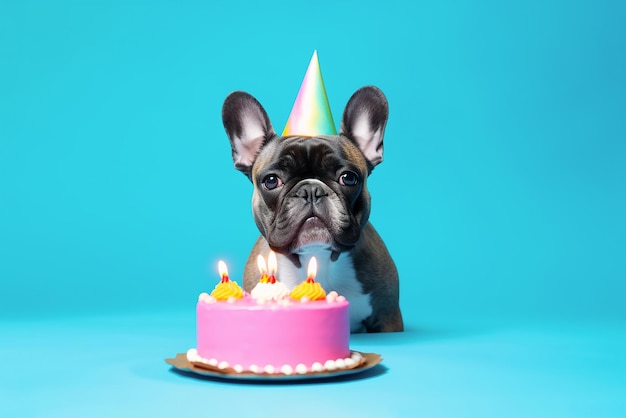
[(364, 121), (248, 128)]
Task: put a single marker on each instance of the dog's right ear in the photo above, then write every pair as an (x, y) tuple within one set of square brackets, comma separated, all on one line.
[(248, 128)]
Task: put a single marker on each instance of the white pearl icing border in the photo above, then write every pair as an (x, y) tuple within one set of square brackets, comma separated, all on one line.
[(354, 360)]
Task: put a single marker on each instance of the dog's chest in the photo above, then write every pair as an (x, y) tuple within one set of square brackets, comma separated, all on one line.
[(339, 276)]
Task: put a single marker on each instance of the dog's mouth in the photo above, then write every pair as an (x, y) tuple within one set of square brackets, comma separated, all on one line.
[(313, 233)]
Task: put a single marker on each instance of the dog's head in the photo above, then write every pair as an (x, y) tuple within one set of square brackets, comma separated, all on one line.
[(308, 191)]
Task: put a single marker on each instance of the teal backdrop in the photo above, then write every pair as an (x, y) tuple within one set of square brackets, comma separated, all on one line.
[(502, 195), (503, 189)]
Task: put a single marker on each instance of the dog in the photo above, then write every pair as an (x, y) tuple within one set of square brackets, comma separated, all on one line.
[(310, 198)]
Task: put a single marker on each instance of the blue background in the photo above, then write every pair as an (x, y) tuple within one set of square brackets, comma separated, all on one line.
[(502, 197)]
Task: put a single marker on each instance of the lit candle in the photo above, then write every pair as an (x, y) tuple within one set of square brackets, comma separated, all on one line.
[(260, 261), (221, 267), (309, 289), (312, 270), (272, 265), (268, 288), (226, 289)]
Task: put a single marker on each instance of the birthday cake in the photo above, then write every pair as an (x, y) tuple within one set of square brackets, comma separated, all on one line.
[(272, 330)]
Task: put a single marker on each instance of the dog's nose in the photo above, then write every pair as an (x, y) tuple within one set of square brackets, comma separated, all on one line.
[(311, 193)]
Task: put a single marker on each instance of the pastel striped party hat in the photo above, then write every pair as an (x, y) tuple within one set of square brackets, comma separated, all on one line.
[(311, 115)]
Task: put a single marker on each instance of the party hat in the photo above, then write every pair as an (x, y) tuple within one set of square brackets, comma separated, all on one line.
[(311, 114)]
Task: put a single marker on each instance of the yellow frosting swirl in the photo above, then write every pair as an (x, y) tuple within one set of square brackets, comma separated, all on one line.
[(312, 290), (227, 289)]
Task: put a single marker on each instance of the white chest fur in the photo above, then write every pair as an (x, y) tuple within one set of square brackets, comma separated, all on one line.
[(339, 276)]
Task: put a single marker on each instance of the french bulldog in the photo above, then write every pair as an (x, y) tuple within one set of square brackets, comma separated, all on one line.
[(310, 198)]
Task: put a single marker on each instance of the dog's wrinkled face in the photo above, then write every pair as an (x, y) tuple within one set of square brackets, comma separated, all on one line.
[(310, 191)]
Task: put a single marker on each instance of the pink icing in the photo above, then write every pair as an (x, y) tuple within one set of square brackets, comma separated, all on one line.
[(246, 333)]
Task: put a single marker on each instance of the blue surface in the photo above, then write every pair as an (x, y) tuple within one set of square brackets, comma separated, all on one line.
[(501, 199), (113, 366)]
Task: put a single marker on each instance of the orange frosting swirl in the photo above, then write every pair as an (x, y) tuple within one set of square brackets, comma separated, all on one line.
[(227, 289), (309, 289)]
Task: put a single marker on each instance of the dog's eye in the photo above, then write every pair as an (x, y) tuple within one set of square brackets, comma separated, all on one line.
[(349, 178), (271, 181)]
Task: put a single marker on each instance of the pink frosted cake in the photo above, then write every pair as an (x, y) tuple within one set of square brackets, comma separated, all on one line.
[(272, 330)]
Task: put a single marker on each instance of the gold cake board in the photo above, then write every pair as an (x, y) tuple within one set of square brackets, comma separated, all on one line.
[(180, 362)]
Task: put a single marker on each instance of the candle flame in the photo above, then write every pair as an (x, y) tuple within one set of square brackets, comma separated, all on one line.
[(221, 267), (272, 264), (260, 261), (312, 269)]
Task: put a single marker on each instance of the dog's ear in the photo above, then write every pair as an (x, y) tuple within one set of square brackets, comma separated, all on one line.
[(248, 128), (364, 121)]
